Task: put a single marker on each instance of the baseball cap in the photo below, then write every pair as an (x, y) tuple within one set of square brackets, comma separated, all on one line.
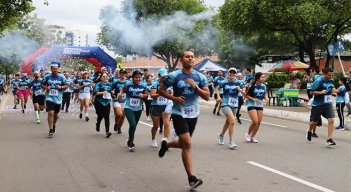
[(232, 69), (162, 72), (55, 64)]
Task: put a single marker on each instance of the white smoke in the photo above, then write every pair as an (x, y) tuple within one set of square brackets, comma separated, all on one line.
[(15, 46), (141, 36)]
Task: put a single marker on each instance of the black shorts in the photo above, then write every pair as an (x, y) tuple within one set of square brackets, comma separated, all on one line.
[(254, 108), (157, 110), (14, 92), (183, 125), (50, 106), (215, 96), (76, 91), (40, 99), (326, 111)]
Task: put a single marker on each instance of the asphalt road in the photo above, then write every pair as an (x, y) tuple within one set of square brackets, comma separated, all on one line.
[(80, 159)]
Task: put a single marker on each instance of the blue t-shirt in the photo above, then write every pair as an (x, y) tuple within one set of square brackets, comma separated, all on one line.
[(340, 97), (54, 95), (117, 86), (69, 88), (177, 79), (231, 93), (36, 87), (101, 87), (318, 85), (258, 93), (76, 82), (86, 83), (209, 79), (217, 81), (248, 78), (113, 79), (133, 101), (23, 85), (161, 101), (14, 83), (2, 80)]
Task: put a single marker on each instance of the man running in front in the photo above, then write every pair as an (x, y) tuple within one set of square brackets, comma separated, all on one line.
[(188, 85), (54, 84)]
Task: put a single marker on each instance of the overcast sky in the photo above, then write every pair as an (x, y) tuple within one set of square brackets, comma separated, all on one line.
[(81, 15)]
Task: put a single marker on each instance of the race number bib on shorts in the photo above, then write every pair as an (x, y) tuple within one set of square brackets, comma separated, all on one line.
[(86, 89), (233, 102), (259, 103), (134, 102), (188, 112), (53, 92), (327, 99), (106, 96), (37, 92), (161, 100)]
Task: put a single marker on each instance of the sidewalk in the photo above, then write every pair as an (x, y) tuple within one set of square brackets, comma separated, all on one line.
[(301, 114)]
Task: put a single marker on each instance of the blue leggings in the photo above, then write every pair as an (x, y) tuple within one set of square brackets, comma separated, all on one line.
[(133, 119)]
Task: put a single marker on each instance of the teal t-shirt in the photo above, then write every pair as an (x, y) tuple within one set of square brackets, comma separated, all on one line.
[(54, 95), (86, 83), (133, 101), (340, 97), (258, 93), (101, 87), (320, 84), (116, 87), (231, 93)]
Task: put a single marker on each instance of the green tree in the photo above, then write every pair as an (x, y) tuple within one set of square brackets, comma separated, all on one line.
[(168, 50), (11, 11), (306, 24)]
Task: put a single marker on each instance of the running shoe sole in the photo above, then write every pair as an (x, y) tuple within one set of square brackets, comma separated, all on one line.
[(197, 184)]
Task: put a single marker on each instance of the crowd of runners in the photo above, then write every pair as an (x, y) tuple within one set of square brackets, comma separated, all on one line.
[(168, 97)]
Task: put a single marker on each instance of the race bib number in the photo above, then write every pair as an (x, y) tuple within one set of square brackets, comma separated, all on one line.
[(23, 87), (233, 102), (37, 92), (53, 92), (86, 89), (124, 96), (327, 99), (309, 85), (149, 97), (161, 100), (188, 112), (134, 102), (106, 96), (259, 103)]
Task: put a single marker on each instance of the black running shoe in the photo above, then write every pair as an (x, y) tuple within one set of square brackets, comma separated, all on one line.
[(309, 135), (314, 135), (163, 149), (51, 133), (239, 121), (25, 106), (54, 130), (108, 135), (80, 116), (66, 110), (15, 107), (330, 142), (119, 131), (218, 114), (115, 128), (22, 110), (194, 182), (160, 132), (97, 128), (214, 111), (131, 147), (86, 118)]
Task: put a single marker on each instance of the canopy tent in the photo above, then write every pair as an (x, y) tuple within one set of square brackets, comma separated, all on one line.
[(27, 63), (94, 54), (209, 65)]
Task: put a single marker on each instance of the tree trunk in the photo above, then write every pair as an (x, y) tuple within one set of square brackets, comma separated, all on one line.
[(301, 54)]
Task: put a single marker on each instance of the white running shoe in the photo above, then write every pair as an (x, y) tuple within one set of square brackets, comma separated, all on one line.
[(232, 144), (153, 143), (247, 137), (253, 140), (148, 119)]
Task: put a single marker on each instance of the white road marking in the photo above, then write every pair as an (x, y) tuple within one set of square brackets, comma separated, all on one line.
[(265, 123), (320, 188), (145, 124)]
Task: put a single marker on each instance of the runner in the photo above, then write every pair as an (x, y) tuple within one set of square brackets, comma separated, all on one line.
[(38, 96), (23, 91), (340, 102), (85, 86), (76, 89), (218, 80), (239, 76), (309, 78), (102, 93), (2, 85), (188, 85), (135, 91), (115, 77), (322, 104), (14, 83), (148, 100), (159, 105), (256, 93), (118, 106), (54, 84), (66, 97), (145, 74), (231, 89)]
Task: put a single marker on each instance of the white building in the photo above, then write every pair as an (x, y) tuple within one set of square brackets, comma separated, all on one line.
[(76, 38)]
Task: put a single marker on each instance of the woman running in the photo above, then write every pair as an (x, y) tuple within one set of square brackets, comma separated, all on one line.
[(76, 84), (148, 100), (340, 102), (23, 91), (255, 95), (85, 86), (102, 92), (135, 92), (230, 102), (38, 96), (159, 105), (118, 106)]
